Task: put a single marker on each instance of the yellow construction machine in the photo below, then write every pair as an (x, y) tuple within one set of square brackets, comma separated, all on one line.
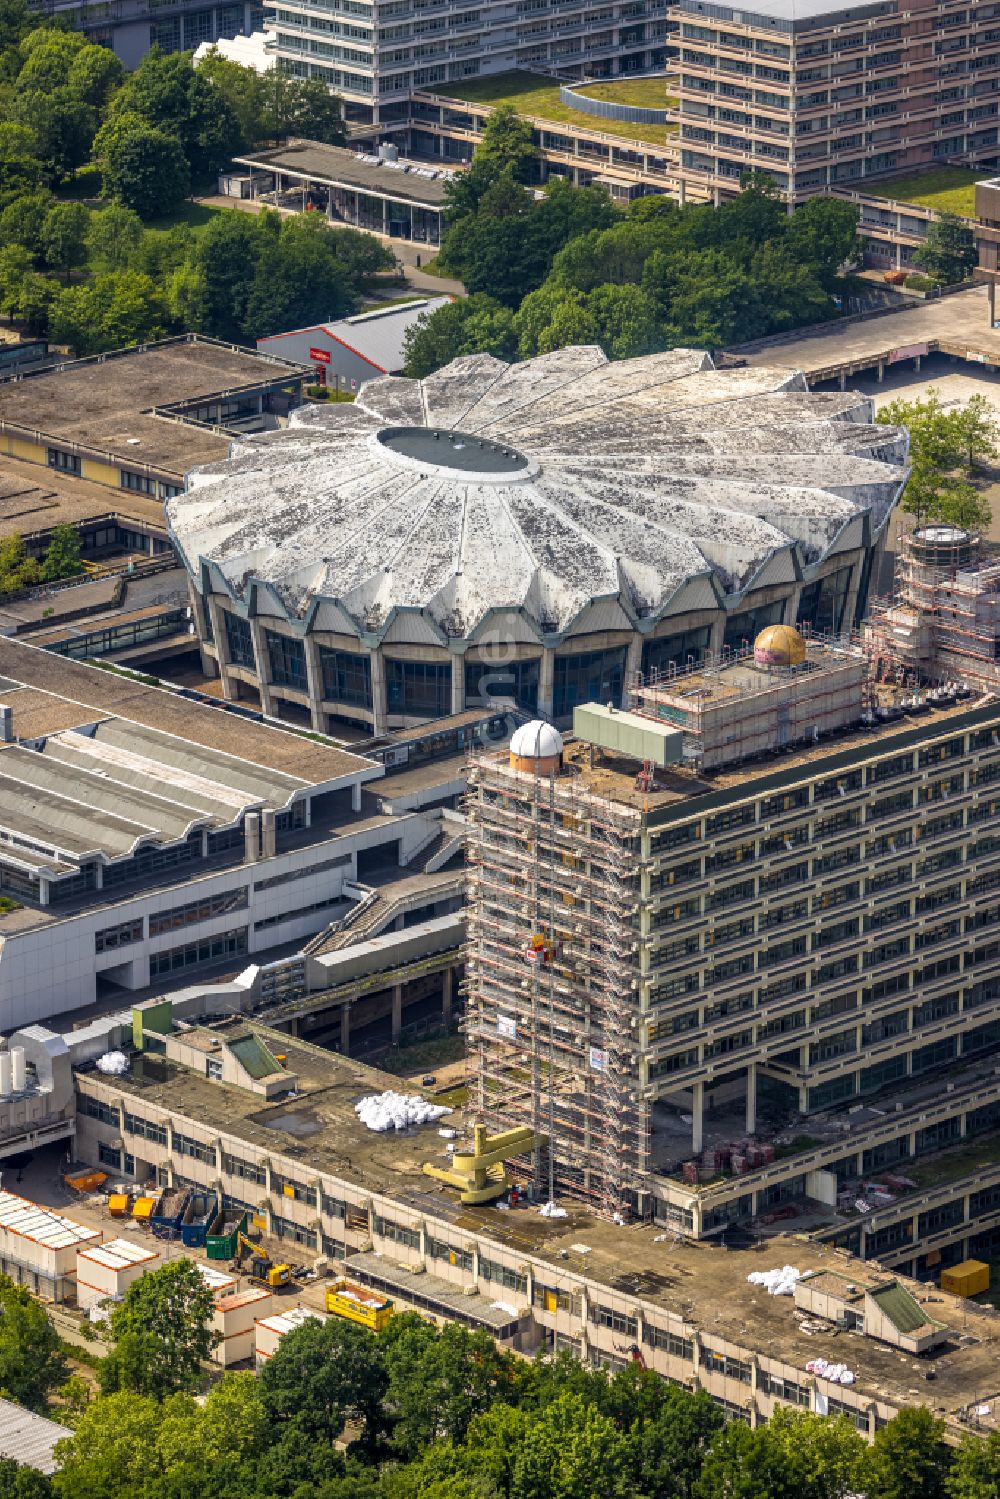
[(261, 1266)]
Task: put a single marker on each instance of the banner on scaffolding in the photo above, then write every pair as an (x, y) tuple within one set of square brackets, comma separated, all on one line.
[(507, 1027), (598, 1059)]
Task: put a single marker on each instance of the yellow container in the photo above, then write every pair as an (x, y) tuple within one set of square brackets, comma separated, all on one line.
[(358, 1304), (966, 1279), (143, 1207), (118, 1204)]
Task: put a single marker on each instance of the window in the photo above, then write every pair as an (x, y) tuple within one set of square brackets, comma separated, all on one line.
[(248, 1171), (138, 483), (239, 640), (487, 681), (66, 463), (93, 1108), (822, 603), (743, 629), (347, 678), (156, 1134), (396, 1233), (109, 1155), (418, 688), (196, 1149), (607, 1316), (502, 1275), (195, 954), (111, 937), (672, 653), (284, 1228), (300, 874), (298, 1191), (287, 660), (592, 677), (197, 910), (452, 1254)]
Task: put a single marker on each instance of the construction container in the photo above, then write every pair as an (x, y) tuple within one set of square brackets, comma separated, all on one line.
[(219, 1282), (269, 1331), (142, 1209), (169, 1212), (38, 1247), (105, 1271), (234, 1319), (966, 1279), (118, 1204), (220, 1240), (85, 1181), (201, 1211), (357, 1304)]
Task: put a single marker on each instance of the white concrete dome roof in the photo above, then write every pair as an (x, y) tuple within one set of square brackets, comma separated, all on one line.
[(542, 487), (536, 740)]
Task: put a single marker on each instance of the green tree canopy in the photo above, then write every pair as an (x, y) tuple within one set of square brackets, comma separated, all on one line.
[(31, 1359), (941, 444), (141, 166), (160, 1333), (907, 1459), (64, 237), (471, 325), (170, 95), (62, 556), (114, 235), (948, 253), (438, 1380), (324, 1373)]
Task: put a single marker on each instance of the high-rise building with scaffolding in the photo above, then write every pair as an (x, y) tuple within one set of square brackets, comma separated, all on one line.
[(735, 954)]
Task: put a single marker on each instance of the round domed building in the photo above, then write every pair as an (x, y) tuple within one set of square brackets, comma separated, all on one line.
[(537, 531)]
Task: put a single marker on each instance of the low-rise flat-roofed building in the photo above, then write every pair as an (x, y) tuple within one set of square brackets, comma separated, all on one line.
[(355, 349), (138, 419), (145, 837), (326, 1185)]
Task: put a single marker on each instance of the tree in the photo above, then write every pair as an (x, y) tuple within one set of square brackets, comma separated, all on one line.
[(31, 1358), (113, 236), (20, 1482), (977, 431), (506, 149), (20, 168), (323, 1374), (34, 303), (571, 1450), (940, 442), (439, 1379), (823, 232), (64, 237), (141, 166), (109, 312), (470, 325), (63, 127), (110, 1454), (161, 1333), (975, 1471), (243, 90), (94, 75), (907, 1459), (62, 556), (226, 259), (948, 252), (17, 571), (21, 221), (15, 264), (171, 96), (297, 281)]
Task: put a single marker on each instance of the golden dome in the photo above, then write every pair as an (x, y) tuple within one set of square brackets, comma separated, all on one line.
[(779, 645)]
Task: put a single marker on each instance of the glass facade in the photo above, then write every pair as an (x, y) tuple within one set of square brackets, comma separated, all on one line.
[(594, 677), (485, 682), (347, 678), (822, 603), (743, 629), (422, 688), (287, 660), (239, 641), (675, 651)]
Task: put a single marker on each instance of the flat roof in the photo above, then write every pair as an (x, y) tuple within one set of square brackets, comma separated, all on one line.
[(793, 12), (335, 166), (118, 1254), (29, 1439), (105, 404), (20, 1216), (64, 694), (704, 1285), (33, 498)]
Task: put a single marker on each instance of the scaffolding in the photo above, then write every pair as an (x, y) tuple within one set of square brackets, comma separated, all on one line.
[(942, 625), (552, 996)]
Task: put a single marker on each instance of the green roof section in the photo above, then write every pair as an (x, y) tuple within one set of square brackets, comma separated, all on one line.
[(253, 1056), (903, 1310)]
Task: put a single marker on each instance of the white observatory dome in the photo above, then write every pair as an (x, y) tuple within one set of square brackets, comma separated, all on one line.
[(536, 741)]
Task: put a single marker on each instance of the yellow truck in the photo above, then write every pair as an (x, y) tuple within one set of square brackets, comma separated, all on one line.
[(358, 1304)]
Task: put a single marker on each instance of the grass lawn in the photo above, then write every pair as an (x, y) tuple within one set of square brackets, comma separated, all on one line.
[(530, 94), (951, 189), (647, 93)]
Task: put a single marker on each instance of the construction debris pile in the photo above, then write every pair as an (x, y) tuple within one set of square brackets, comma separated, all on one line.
[(384, 1111)]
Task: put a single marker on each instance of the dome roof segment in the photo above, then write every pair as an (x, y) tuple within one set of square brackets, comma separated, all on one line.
[(540, 487), (536, 741)]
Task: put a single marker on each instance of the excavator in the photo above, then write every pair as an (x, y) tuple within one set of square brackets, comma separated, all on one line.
[(261, 1266)]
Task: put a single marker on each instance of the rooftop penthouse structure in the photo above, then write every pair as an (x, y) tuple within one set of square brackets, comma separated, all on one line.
[(738, 966)]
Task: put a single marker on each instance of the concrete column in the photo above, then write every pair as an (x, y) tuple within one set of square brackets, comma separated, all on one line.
[(43, 891), (991, 293), (681, 193), (457, 684), (447, 983), (916, 363), (98, 876), (356, 797), (752, 1098), (345, 1029), (633, 661), (263, 665), (379, 709), (843, 380), (314, 677), (546, 681), (880, 373), (215, 614), (397, 1012), (697, 1117)]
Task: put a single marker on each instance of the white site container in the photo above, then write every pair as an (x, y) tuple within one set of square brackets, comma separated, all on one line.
[(271, 1330), (36, 1241), (235, 1321), (219, 1282), (107, 1270)]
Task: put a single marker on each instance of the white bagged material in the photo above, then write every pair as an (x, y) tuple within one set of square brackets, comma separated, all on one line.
[(549, 1210), (384, 1111), (115, 1063), (776, 1282)]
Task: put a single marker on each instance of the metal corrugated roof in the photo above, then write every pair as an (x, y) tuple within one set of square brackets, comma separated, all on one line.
[(20, 1216), (28, 1438), (118, 1254)]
